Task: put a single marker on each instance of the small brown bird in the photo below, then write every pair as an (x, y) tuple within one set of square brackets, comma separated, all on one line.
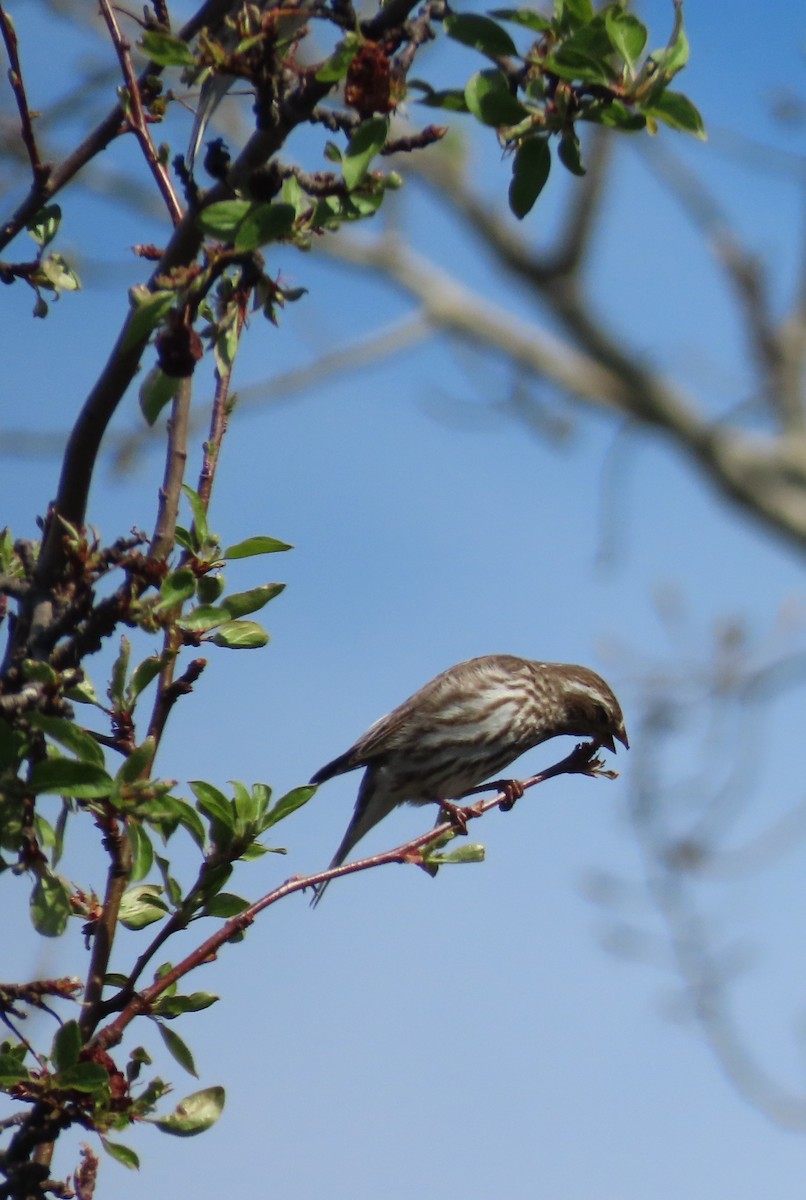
[(465, 726)]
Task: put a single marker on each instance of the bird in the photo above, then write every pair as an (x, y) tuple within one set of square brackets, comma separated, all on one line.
[(241, 25), (463, 727)]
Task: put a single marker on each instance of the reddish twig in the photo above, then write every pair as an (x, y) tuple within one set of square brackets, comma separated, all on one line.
[(137, 120), (582, 760), (40, 170)]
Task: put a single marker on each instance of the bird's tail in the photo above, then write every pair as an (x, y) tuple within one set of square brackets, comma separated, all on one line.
[(374, 802), (212, 93)]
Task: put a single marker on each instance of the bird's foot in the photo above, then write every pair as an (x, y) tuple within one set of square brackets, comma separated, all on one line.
[(455, 814)]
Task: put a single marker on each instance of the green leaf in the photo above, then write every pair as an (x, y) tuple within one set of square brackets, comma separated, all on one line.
[(451, 99), (36, 671), (677, 111), (573, 64), (83, 693), (122, 1154), (480, 33), (142, 676), (256, 545), (142, 905), (530, 170), (69, 735), (148, 310), (523, 16), (200, 525), (142, 852), (210, 587), (67, 777), (241, 603), (55, 272), (225, 904), (11, 1070), (176, 588), (222, 219), (170, 1007), (50, 905), (195, 1114), (616, 115), (44, 226), (472, 853), (490, 99), (367, 141), (675, 55), (66, 1045), (287, 804), (166, 50), (177, 1049), (84, 1077), (265, 223), (569, 153), (575, 12), (156, 390), (214, 804), (120, 669), (240, 635), (337, 66), (136, 762), (627, 34), (204, 617)]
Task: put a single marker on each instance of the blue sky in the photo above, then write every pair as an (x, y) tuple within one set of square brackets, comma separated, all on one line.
[(470, 1036)]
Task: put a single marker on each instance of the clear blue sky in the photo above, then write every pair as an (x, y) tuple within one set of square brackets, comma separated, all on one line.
[(469, 1036)]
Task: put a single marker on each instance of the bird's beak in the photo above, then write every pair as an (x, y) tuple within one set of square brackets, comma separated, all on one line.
[(610, 740)]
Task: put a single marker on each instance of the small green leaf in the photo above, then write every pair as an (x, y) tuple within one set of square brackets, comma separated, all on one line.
[(472, 853), (627, 34), (576, 65), (204, 617), (120, 669), (55, 272), (11, 1070), (166, 50), (50, 905), (177, 1049), (677, 111), (66, 1046), (490, 99), (148, 310), (214, 804), (241, 603), (170, 1007), (523, 16), (66, 777), (84, 1077), (264, 223), (240, 635), (195, 1114), (569, 153), (122, 1154), (44, 226), (337, 66), (200, 525), (480, 33), (256, 545), (142, 675), (176, 588), (530, 170), (137, 762), (225, 904), (575, 12), (451, 99), (222, 219), (83, 693), (69, 735), (367, 141), (287, 804), (142, 905), (156, 390), (142, 852)]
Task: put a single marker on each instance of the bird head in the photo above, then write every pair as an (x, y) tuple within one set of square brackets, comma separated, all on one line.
[(590, 708)]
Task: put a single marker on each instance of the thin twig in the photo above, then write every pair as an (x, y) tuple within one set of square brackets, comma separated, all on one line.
[(39, 169), (138, 122), (582, 760)]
